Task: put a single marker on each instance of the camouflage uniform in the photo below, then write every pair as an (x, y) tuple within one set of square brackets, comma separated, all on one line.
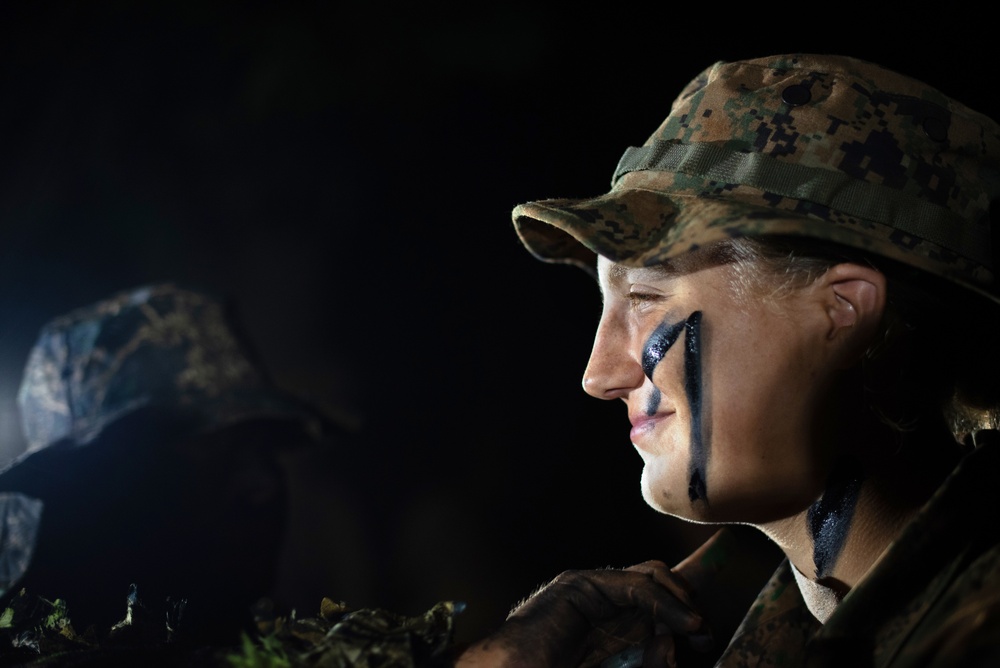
[(843, 151), (933, 601)]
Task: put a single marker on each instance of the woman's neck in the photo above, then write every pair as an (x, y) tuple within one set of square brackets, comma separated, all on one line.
[(836, 542), (871, 495)]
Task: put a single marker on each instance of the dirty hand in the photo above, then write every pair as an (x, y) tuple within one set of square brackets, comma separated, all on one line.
[(582, 618)]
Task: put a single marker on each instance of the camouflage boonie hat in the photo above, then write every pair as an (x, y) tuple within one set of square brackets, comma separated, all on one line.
[(156, 345), (826, 147)]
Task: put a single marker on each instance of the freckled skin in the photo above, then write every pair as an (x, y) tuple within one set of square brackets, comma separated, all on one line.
[(830, 518), (659, 342), (766, 371)]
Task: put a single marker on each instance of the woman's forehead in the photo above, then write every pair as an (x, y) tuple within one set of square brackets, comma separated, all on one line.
[(616, 272), (711, 255)]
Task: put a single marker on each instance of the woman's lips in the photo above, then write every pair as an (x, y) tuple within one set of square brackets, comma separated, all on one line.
[(643, 425)]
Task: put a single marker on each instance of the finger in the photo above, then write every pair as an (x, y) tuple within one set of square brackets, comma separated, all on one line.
[(705, 563), (613, 637), (660, 651), (629, 627), (629, 589), (631, 657), (663, 575)]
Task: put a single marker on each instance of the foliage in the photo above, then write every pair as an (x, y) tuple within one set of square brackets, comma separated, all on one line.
[(40, 633)]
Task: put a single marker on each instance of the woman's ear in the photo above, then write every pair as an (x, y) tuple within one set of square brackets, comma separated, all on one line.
[(854, 296)]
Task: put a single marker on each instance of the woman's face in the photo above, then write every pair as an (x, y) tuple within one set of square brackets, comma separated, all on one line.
[(725, 394)]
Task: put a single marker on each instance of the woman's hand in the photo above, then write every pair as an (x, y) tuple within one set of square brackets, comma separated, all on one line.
[(581, 618)]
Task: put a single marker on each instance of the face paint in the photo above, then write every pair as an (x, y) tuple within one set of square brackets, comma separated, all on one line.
[(653, 404), (692, 387), (659, 342), (830, 517)]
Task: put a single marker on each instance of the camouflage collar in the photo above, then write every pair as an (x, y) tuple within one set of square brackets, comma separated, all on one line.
[(920, 584)]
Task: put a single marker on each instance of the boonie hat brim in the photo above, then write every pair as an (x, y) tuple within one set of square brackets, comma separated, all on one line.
[(824, 147)]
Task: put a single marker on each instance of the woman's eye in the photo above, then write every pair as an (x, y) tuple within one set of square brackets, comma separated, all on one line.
[(639, 299)]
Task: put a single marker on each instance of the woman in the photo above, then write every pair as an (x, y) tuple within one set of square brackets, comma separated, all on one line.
[(798, 315)]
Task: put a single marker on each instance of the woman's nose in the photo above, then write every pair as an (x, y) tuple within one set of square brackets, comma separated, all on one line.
[(613, 369)]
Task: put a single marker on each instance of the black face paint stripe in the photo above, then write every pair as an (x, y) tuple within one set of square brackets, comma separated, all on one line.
[(830, 518), (653, 403), (659, 342), (692, 387)]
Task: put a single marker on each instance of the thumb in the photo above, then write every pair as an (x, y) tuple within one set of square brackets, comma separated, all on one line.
[(702, 566)]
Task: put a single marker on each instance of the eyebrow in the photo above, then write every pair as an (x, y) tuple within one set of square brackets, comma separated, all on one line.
[(660, 270)]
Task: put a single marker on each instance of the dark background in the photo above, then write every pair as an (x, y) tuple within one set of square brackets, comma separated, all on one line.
[(345, 176)]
